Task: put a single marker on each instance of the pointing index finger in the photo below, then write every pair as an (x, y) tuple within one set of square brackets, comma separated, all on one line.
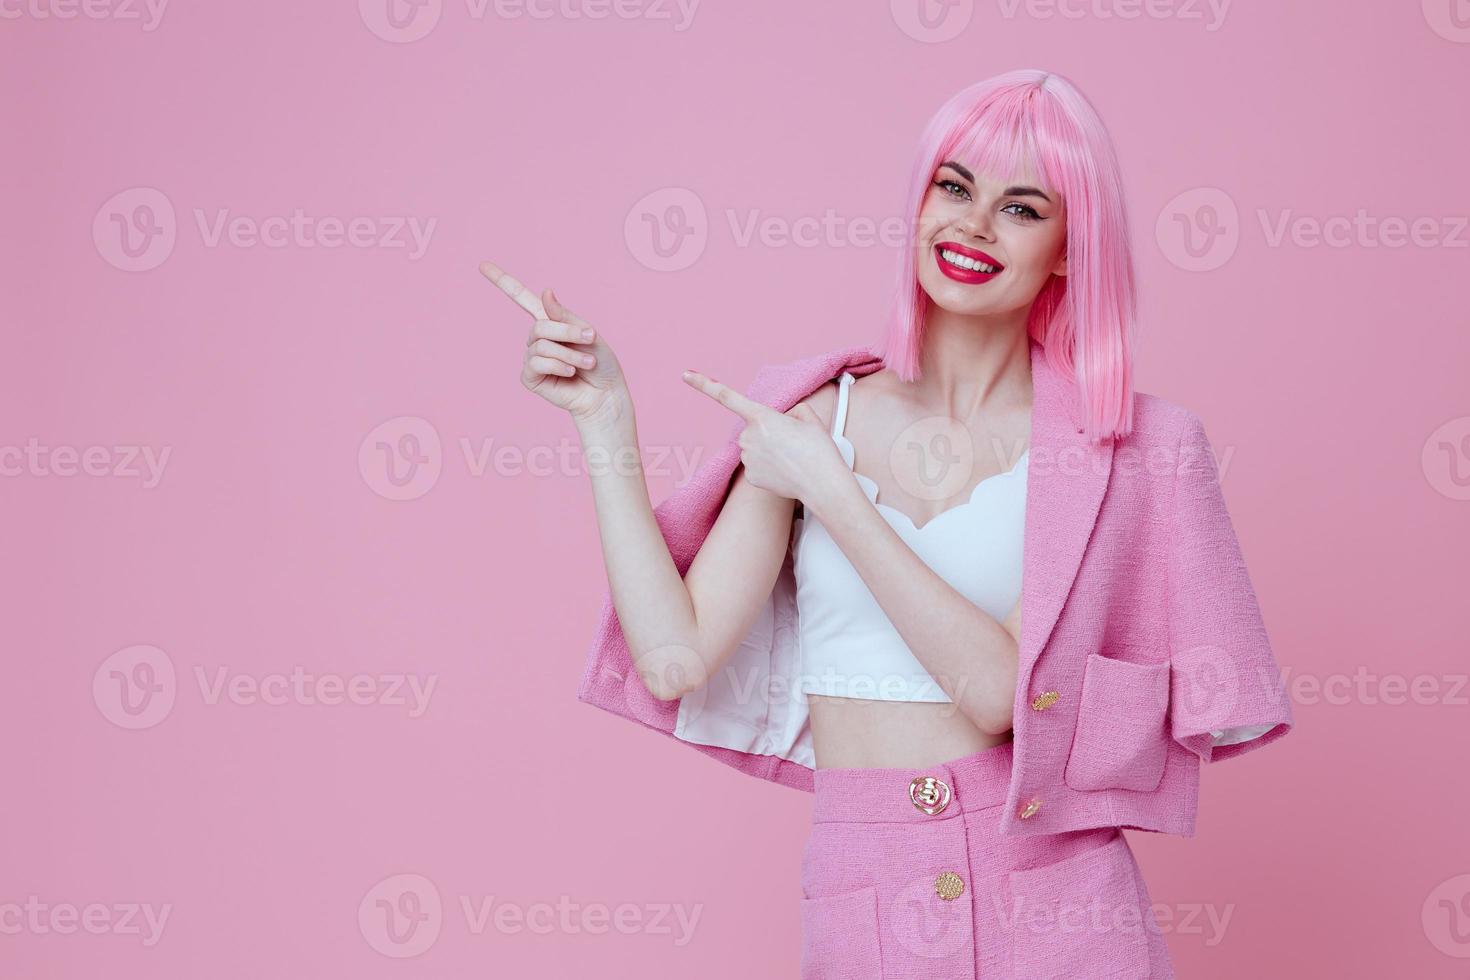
[(513, 288), (746, 408)]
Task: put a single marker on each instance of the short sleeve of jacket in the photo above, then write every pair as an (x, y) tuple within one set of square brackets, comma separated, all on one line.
[(1226, 692)]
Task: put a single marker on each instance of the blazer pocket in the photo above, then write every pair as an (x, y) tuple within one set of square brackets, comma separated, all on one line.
[(839, 936), (1080, 917), (1122, 738)]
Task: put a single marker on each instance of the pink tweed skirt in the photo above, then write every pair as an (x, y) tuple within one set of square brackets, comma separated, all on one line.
[(906, 874)]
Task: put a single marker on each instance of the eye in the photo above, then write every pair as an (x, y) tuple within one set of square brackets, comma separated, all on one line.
[(947, 184), (1030, 212)]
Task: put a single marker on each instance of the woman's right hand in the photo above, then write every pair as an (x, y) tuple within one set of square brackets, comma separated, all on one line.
[(566, 362)]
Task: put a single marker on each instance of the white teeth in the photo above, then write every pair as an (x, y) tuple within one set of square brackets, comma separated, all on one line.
[(965, 262)]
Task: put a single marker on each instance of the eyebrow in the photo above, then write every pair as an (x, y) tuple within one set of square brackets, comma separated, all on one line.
[(1008, 192)]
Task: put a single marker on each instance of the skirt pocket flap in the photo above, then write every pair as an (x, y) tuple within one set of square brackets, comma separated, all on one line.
[(840, 936), (1080, 916)]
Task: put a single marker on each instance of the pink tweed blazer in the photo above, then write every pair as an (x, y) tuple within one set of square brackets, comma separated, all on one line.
[(1142, 651)]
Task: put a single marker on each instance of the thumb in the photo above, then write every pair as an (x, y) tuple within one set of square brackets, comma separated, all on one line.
[(558, 310)]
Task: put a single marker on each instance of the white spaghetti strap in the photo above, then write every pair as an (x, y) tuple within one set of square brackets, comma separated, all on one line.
[(840, 422)]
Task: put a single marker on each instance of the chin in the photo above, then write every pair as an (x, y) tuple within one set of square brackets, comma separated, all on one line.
[(962, 309), (954, 297)]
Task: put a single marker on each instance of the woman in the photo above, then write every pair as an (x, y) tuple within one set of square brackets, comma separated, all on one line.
[(920, 581)]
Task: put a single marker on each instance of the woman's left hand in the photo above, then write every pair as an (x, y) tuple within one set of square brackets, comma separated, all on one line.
[(789, 453)]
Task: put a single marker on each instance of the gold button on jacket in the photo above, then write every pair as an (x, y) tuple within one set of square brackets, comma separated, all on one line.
[(949, 886), (1045, 700)]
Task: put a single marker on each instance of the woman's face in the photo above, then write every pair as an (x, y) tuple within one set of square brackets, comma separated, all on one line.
[(1016, 228)]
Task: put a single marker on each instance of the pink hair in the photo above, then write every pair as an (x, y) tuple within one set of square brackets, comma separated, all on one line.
[(1037, 122)]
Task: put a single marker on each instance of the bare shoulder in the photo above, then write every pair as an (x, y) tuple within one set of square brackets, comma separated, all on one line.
[(823, 401), (878, 388)]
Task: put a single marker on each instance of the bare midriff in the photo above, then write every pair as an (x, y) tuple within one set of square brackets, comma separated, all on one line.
[(857, 733)]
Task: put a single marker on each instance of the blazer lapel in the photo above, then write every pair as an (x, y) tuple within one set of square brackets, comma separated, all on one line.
[(1066, 478)]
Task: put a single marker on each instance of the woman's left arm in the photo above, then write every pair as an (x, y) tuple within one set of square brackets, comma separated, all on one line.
[(970, 655)]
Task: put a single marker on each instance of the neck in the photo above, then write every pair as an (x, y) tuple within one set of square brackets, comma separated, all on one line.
[(973, 364)]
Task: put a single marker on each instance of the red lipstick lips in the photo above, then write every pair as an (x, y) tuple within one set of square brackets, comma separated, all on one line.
[(960, 273)]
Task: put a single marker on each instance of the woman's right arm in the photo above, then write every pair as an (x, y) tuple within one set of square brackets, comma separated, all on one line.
[(679, 630)]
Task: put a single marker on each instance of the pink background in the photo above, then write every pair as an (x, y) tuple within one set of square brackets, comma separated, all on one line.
[(1332, 380)]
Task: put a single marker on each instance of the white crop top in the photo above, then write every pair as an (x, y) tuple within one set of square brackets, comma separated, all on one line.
[(848, 646)]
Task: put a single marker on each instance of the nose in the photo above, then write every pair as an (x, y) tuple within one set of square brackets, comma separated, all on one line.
[(975, 224)]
